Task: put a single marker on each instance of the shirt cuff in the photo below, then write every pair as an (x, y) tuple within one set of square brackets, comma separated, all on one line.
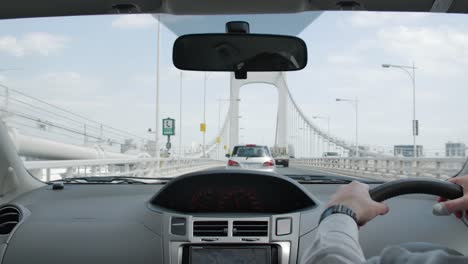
[(340, 223)]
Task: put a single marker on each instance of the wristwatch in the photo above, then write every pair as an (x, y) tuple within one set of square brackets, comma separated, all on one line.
[(338, 209)]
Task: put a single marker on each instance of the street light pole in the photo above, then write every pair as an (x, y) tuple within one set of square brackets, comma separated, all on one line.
[(156, 134), (355, 101), (357, 145), (412, 76)]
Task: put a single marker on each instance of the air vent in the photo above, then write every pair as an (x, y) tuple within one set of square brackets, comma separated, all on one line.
[(210, 228), (9, 218), (250, 228)]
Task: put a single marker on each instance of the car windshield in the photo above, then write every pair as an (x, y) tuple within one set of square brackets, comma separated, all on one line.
[(382, 96)]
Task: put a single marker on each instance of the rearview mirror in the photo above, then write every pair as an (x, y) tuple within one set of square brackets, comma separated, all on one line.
[(239, 53)]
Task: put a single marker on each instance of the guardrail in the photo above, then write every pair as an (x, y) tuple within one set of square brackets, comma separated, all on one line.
[(146, 167), (386, 167)]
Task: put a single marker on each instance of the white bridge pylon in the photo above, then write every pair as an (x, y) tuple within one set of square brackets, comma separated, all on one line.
[(276, 79), (293, 128)]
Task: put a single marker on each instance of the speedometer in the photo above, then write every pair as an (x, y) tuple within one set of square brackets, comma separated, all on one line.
[(240, 200), (203, 200), (232, 192)]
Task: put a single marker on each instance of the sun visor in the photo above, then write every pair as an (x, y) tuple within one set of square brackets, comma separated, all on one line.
[(264, 24)]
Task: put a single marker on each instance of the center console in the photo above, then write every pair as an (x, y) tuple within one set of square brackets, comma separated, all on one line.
[(272, 239), (231, 217)]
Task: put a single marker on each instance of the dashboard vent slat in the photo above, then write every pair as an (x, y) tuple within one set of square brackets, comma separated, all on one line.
[(9, 218), (210, 228), (250, 228)]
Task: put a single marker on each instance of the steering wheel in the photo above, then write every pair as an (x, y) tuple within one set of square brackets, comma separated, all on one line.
[(424, 186)]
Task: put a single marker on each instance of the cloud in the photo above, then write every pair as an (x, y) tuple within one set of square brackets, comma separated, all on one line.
[(64, 85), (10, 45), (134, 21), (441, 55), (67, 85), (33, 43), (376, 19), (441, 50), (343, 59)]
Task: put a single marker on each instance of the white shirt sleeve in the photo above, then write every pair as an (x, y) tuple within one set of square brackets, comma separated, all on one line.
[(336, 242)]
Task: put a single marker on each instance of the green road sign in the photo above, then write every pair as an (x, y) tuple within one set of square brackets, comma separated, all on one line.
[(168, 127)]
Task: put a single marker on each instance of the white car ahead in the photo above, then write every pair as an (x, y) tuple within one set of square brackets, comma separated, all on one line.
[(251, 157)]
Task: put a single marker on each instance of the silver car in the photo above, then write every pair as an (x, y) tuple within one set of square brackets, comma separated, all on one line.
[(252, 157)]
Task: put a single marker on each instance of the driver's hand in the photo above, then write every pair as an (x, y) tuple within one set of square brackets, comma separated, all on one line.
[(356, 196), (460, 205)]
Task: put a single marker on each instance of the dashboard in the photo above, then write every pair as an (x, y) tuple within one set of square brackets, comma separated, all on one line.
[(233, 193), (173, 223)]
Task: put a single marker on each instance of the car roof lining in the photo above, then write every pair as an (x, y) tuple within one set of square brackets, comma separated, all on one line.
[(47, 8)]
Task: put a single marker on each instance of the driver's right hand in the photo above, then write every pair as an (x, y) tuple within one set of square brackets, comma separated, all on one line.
[(460, 205)]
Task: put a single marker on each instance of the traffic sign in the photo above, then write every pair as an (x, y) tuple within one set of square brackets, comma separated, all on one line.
[(168, 127), (415, 128), (202, 127)]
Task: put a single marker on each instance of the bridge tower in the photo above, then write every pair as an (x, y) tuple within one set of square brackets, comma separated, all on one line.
[(277, 79)]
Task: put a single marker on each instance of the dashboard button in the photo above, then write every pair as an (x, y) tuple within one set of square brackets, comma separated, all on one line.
[(178, 226), (283, 226)]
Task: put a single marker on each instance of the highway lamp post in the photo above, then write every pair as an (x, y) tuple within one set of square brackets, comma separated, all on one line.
[(412, 75), (355, 102), (328, 128), (156, 134)]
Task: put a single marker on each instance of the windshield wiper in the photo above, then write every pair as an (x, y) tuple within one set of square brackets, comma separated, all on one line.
[(113, 179), (318, 179), (329, 179)]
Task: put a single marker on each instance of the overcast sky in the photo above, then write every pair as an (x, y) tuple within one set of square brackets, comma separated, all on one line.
[(104, 67)]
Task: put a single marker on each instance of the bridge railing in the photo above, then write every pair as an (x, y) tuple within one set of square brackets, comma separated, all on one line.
[(147, 167), (386, 168)]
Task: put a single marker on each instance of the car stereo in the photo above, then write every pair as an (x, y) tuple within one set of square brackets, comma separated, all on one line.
[(227, 254)]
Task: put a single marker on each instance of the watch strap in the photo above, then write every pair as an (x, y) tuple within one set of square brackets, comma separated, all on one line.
[(338, 209)]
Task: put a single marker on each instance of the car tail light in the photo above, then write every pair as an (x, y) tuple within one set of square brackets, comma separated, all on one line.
[(250, 145), (232, 163), (269, 163)]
